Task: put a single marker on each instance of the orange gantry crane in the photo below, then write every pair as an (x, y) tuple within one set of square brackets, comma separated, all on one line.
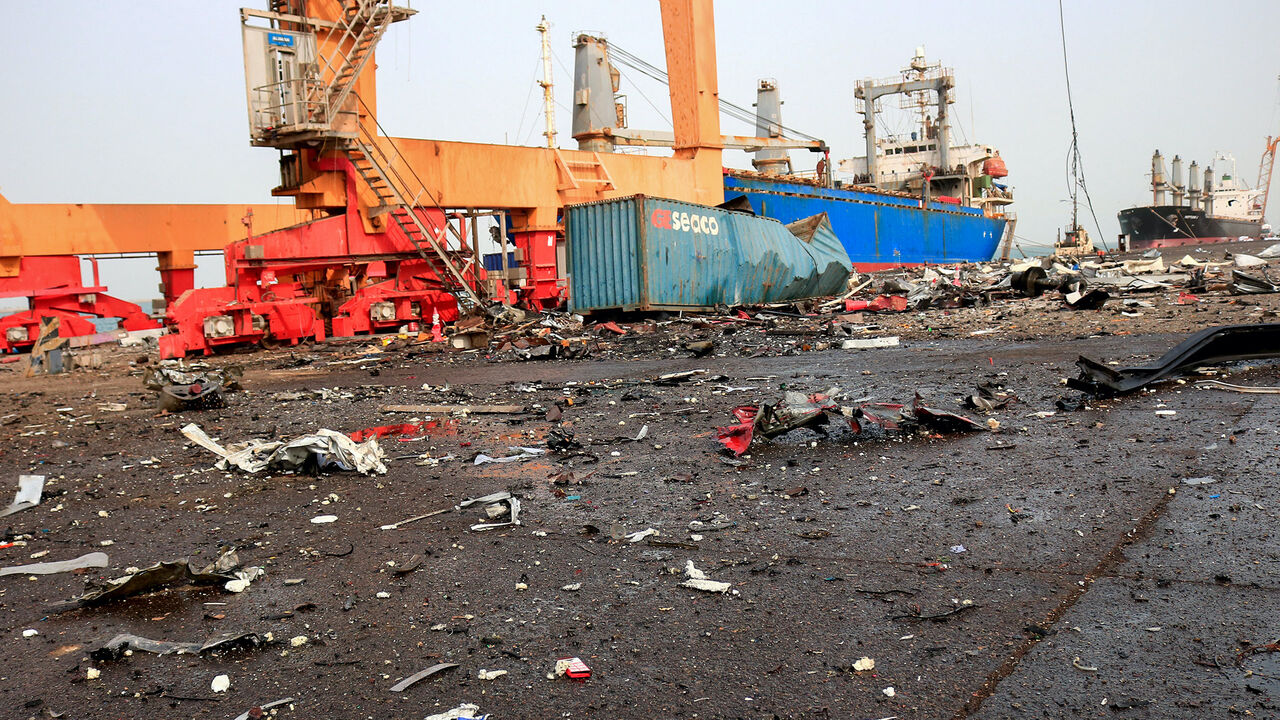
[(384, 240)]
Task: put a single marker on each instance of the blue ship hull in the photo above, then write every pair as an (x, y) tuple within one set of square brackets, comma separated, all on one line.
[(879, 230)]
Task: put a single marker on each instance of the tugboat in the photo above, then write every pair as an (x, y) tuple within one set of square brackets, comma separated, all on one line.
[(1192, 215)]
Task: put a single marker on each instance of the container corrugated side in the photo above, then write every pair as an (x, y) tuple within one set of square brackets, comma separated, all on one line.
[(640, 253)]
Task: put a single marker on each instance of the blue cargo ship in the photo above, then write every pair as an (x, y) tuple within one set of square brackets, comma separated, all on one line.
[(912, 199), (879, 230)]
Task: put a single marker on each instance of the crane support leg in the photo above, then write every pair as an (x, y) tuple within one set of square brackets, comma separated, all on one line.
[(177, 273)]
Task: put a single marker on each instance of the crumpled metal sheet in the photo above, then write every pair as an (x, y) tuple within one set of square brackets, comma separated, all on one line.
[(503, 497), (797, 410), (155, 378), (322, 450), (167, 573), (1251, 284), (1210, 346), (115, 648)]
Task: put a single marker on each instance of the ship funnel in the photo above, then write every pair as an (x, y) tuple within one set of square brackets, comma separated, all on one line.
[(1193, 185), (770, 161), (1208, 190), (1179, 190), (1158, 186), (594, 113)]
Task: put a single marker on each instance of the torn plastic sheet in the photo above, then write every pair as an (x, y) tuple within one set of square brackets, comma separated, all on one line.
[(322, 450), (223, 571), (499, 498), (524, 453), (30, 489), (115, 648), (91, 560)]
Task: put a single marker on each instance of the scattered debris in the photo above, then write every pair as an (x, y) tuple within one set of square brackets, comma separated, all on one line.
[(405, 683), (322, 450), (1251, 284), (220, 684), (455, 409), (222, 571), (572, 668), (523, 453), (30, 489), (496, 505), (260, 711), (698, 580), (465, 711), (636, 537), (869, 343), (797, 410), (1075, 663), (91, 560), (179, 390), (490, 674), (864, 664), (1208, 347), (1251, 389), (415, 518), (117, 647)]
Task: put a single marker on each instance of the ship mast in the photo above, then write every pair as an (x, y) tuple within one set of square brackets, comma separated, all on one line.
[(548, 100)]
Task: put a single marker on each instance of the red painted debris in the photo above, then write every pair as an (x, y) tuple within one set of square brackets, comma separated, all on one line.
[(611, 327), (381, 431), (895, 303), (738, 437)]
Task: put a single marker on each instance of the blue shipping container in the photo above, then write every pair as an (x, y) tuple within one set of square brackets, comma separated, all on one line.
[(643, 253), (493, 261)]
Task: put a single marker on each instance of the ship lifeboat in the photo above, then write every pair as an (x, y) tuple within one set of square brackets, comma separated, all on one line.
[(995, 167)]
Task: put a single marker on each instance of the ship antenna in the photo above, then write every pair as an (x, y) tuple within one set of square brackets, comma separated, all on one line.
[(1077, 171)]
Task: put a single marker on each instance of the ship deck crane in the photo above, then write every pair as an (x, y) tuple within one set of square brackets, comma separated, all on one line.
[(1265, 166)]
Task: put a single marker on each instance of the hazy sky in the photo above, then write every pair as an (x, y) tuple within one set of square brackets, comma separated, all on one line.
[(143, 101)]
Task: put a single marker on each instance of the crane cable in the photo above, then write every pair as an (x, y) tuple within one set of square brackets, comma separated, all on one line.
[(738, 112), (1077, 171)]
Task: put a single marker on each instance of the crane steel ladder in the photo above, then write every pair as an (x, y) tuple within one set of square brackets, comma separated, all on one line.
[(358, 29), (392, 189)]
